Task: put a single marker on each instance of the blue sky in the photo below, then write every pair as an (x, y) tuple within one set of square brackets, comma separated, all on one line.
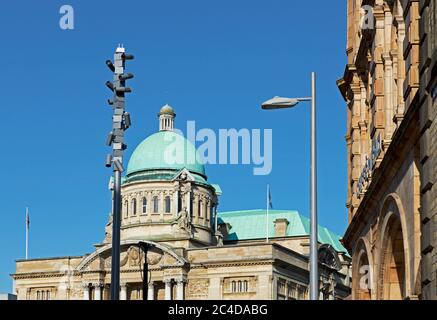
[(213, 61)]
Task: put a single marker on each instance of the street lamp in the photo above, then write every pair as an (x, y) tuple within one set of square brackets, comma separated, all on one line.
[(282, 103), (145, 247)]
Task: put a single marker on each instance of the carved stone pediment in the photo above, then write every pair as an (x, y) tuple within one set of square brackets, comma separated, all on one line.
[(184, 176), (134, 257), (131, 256)]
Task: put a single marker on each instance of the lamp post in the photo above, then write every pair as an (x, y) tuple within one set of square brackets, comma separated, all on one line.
[(281, 103), (145, 247)]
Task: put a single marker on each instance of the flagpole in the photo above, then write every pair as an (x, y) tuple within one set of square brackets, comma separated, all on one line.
[(267, 215), (27, 233)]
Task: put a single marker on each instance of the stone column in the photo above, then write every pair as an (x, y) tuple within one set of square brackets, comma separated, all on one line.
[(400, 109), (149, 208), (274, 286), (86, 291), (215, 218), (174, 204), (67, 292), (123, 291), (139, 206), (167, 289), (97, 291), (161, 206), (195, 209), (388, 97), (188, 201), (151, 291), (208, 212), (180, 289), (286, 289)]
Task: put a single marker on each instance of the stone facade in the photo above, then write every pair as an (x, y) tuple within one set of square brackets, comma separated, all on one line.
[(428, 145), (248, 270), (174, 211), (389, 86)]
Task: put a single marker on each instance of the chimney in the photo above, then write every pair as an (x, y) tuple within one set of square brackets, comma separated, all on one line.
[(281, 227)]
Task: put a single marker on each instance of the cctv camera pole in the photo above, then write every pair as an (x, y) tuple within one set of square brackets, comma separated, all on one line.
[(120, 122)]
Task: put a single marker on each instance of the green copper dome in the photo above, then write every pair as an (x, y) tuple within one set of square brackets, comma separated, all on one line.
[(165, 150)]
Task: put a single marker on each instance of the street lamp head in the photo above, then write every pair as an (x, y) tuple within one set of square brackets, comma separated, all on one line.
[(279, 103)]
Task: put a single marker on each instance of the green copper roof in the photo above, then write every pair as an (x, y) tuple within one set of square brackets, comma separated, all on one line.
[(165, 150), (217, 189), (251, 224)]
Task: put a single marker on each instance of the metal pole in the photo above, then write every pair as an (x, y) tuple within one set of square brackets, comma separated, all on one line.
[(314, 273), (116, 220), (145, 273), (27, 233), (267, 214)]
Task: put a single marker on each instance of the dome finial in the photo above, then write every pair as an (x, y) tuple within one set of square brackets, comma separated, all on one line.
[(166, 118)]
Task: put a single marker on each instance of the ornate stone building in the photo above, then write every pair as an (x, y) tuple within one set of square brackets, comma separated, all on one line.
[(390, 88), (195, 253)]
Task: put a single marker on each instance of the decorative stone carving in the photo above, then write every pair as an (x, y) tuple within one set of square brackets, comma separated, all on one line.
[(219, 239), (184, 178), (198, 288), (153, 258), (123, 259), (133, 256), (76, 292), (183, 221)]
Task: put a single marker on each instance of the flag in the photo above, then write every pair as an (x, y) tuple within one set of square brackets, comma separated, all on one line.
[(269, 206), (270, 198), (27, 232), (27, 218)]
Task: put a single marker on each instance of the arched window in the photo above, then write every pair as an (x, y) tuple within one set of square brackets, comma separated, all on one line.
[(234, 286), (240, 286), (48, 295), (126, 209), (144, 205), (167, 204), (199, 209), (205, 210), (134, 207), (245, 286), (155, 204)]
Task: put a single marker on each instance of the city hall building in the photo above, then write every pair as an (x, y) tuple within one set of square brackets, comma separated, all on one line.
[(194, 252), (390, 88)]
